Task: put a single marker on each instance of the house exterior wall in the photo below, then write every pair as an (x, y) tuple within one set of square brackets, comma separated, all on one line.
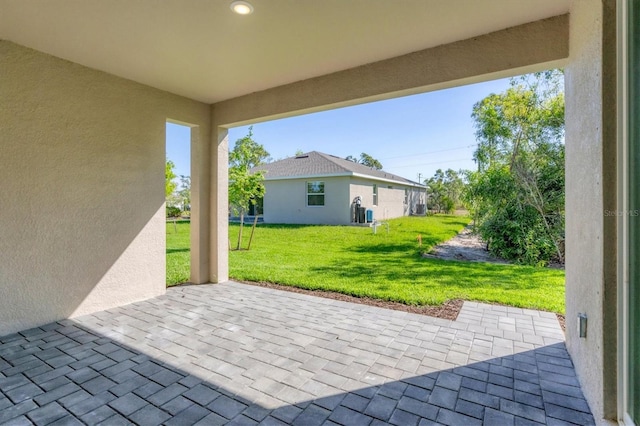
[(591, 191), (82, 187), (390, 198), (417, 196), (285, 201)]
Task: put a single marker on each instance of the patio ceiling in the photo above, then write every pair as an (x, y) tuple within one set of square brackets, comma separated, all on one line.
[(201, 50)]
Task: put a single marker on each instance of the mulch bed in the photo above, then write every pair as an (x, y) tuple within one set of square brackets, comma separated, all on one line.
[(448, 310), (561, 321)]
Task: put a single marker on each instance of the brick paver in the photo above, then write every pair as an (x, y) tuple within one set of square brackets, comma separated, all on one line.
[(239, 354)]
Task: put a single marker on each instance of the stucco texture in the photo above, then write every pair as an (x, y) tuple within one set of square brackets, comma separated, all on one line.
[(285, 201), (590, 190), (82, 193), (390, 203)]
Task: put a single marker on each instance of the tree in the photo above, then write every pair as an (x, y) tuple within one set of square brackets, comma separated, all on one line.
[(444, 190), (366, 160), (169, 176), (517, 194), (184, 194), (245, 187), (369, 161), (169, 188)]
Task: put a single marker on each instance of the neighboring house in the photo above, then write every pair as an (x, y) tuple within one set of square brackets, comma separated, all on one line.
[(317, 188)]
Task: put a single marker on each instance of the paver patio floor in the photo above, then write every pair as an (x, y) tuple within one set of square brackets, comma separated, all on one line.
[(239, 354)]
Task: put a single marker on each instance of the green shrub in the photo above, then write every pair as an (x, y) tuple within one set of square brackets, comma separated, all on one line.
[(513, 228), (173, 211), (516, 233)]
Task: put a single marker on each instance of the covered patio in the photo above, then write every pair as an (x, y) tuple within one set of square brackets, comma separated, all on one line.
[(87, 89), (239, 354)]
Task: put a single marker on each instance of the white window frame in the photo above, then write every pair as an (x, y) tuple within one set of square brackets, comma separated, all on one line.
[(375, 194), (323, 193)]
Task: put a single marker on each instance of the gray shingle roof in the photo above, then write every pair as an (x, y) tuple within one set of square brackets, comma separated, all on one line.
[(316, 163)]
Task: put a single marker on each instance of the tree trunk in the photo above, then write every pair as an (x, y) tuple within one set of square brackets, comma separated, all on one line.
[(240, 232), (253, 228)]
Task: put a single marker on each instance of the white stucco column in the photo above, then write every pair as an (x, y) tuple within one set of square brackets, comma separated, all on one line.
[(200, 206), (219, 205)]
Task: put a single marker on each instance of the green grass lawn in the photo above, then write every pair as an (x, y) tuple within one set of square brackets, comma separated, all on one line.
[(354, 261), (178, 252)]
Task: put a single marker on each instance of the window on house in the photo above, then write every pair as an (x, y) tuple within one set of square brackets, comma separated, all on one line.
[(315, 193), (375, 194), (406, 196)]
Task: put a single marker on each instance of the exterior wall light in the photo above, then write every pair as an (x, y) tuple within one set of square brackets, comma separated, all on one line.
[(582, 325), (242, 7)]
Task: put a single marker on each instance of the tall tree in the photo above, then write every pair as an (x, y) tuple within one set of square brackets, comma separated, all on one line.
[(245, 187), (454, 184), (518, 191), (444, 190), (185, 192), (366, 160), (369, 161)]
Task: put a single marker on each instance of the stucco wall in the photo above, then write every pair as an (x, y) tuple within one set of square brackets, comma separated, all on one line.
[(285, 201), (390, 200), (417, 196), (81, 193), (590, 191)]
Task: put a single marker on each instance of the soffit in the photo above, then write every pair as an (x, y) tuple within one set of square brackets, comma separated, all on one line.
[(201, 50)]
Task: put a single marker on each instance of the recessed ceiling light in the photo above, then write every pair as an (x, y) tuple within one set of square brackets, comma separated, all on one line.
[(242, 7)]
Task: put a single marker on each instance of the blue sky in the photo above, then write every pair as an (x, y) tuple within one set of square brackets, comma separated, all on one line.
[(408, 135)]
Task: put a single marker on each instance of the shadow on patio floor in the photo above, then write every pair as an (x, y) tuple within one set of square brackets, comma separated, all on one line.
[(70, 373)]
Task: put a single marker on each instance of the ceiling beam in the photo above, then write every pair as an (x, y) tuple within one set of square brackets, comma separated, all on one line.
[(535, 46)]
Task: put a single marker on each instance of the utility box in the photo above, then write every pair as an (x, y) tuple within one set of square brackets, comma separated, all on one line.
[(369, 216), (360, 215), (420, 209)]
